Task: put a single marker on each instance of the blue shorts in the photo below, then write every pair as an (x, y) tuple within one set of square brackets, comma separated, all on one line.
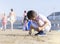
[(30, 23)]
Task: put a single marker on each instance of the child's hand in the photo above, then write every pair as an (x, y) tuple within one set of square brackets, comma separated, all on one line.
[(41, 28)]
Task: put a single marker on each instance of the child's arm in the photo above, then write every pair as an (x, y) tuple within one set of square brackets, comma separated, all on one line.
[(42, 27), (30, 31)]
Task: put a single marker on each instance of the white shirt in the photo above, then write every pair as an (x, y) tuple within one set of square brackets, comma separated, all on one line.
[(41, 21)]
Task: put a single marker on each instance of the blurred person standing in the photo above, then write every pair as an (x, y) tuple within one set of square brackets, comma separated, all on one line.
[(4, 21), (12, 18), (25, 21)]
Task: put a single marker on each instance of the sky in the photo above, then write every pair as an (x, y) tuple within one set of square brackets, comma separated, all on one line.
[(45, 7)]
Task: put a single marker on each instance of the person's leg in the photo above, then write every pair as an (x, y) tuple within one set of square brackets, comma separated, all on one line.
[(2, 26), (40, 32), (47, 29), (5, 26), (43, 31), (11, 26), (23, 28), (36, 29)]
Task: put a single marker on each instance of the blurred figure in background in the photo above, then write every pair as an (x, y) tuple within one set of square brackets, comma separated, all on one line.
[(4, 21), (12, 18), (25, 20)]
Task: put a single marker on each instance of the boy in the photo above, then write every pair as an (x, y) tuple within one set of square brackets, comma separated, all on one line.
[(39, 23)]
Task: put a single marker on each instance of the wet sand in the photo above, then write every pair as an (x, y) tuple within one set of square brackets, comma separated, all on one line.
[(22, 37)]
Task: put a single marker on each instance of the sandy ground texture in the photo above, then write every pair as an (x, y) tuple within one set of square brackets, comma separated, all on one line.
[(22, 37)]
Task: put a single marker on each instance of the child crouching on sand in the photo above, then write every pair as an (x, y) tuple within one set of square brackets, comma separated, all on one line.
[(38, 22)]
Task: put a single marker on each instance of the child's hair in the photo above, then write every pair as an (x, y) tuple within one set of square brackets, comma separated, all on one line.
[(25, 11), (11, 9), (30, 14)]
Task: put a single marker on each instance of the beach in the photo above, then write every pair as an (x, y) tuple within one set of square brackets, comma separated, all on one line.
[(22, 37)]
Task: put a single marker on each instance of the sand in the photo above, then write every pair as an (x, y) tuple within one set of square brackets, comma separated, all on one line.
[(22, 37)]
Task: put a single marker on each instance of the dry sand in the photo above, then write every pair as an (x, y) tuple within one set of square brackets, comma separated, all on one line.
[(22, 37)]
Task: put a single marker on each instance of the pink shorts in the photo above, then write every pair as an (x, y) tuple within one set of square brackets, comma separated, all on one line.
[(4, 23)]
